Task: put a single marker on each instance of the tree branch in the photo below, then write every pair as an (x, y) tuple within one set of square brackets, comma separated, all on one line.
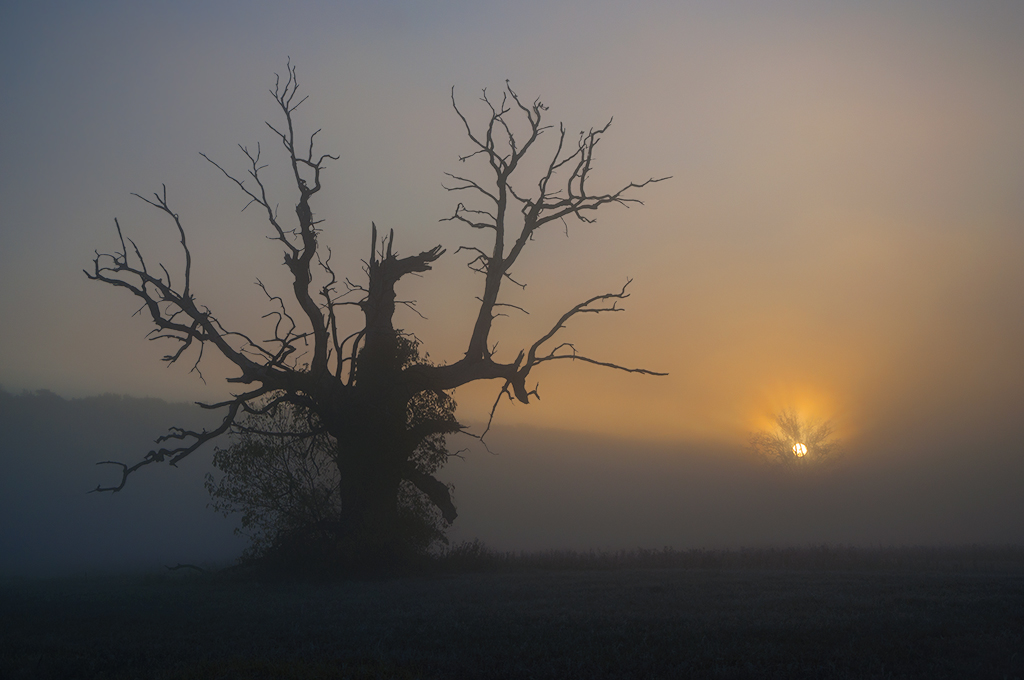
[(176, 433)]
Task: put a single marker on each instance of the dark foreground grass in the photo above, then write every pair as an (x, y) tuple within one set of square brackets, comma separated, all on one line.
[(814, 613)]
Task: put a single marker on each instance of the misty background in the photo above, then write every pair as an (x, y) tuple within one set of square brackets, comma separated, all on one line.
[(538, 490), (843, 236)]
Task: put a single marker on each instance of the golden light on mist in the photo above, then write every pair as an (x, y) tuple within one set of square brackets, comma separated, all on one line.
[(796, 437), (808, 404)]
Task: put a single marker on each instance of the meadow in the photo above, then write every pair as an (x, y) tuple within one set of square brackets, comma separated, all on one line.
[(823, 612)]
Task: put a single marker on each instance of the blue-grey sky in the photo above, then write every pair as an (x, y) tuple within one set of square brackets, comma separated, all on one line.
[(843, 233)]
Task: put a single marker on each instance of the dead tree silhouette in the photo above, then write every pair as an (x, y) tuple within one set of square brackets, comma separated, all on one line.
[(358, 383)]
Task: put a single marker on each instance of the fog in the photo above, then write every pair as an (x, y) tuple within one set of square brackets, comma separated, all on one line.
[(52, 526), (842, 236), (534, 490), (551, 491)]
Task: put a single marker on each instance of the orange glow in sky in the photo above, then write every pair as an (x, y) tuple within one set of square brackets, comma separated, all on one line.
[(841, 235), (842, 239)]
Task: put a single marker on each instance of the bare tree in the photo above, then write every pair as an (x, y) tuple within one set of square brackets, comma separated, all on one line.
[(279, 475), (358, 384)]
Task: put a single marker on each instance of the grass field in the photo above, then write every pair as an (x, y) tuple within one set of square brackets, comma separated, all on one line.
[(808, 613)]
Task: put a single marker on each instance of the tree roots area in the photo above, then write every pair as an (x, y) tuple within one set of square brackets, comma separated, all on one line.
[(812, 613)]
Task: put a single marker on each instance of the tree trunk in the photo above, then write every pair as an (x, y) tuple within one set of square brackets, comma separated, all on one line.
[(369, 489), (370, 460)]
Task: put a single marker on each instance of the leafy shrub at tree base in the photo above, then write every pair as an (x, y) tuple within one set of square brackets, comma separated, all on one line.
[(283, 476)]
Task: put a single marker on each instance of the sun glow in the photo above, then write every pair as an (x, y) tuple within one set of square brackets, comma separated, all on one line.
[(794, 437)]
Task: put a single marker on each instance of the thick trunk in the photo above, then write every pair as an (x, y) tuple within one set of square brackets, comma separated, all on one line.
[(370, 460), (369, 491), (370, 419)]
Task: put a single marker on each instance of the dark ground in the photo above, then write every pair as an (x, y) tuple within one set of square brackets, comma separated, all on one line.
[(813, 613)]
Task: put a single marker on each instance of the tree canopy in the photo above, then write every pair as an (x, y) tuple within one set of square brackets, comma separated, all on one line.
[(364, 396)]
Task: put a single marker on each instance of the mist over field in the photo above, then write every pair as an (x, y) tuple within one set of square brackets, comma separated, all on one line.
[(842, 237), (51, 526), (733, 289), (548, 490), (539, 490)]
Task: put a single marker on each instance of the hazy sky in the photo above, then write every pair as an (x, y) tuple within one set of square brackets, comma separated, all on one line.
[(843, 233)]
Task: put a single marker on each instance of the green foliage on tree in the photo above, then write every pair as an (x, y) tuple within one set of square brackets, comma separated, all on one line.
[(334, 365), (281, 475)]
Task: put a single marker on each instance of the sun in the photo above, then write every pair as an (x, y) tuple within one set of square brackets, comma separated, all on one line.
[(796, 439)]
